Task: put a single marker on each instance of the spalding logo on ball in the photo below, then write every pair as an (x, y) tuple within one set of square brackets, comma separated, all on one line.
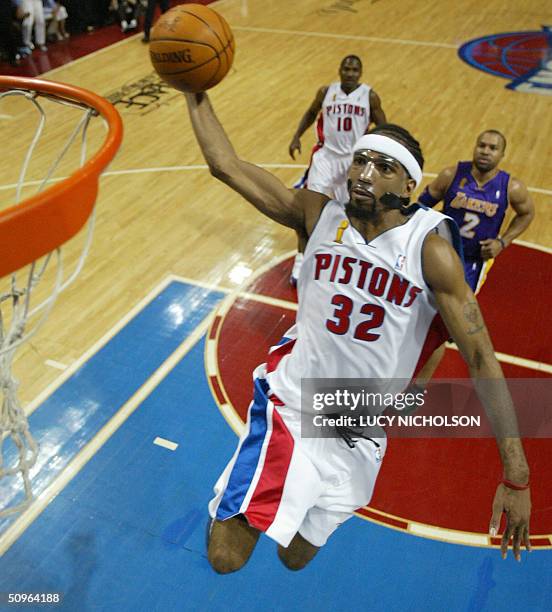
[(192, 47)]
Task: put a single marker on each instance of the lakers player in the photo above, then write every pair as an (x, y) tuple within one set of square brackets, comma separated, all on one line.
[(476, 194), (345, 110), (376, 273)]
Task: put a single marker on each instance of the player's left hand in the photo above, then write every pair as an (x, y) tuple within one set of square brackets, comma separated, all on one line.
[(295, 146), (490, 248), (516, 505)]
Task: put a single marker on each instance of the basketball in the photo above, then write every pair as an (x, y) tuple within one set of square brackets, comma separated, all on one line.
[(192, 47)]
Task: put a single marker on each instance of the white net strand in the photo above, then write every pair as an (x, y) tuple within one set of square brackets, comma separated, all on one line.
[(16, 302)]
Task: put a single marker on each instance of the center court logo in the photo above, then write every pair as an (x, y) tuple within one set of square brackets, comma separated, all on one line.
[(523, 57)]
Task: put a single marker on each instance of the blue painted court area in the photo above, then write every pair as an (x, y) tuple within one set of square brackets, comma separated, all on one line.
[(128, 532)]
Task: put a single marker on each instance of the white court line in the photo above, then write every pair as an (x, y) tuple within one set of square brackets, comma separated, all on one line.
[(271, 301), (19, 526), (199, 283), (394, 41), (165, 443), (533, 245), (55, 364), (193, 167), (438, 533), (539, 366)]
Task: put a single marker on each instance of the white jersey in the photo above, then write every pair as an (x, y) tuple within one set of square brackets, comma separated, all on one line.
[(344, 118), (365, 310)]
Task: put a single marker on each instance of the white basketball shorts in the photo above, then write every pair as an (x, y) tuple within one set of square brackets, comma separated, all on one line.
[(328, 174), (284, 484)]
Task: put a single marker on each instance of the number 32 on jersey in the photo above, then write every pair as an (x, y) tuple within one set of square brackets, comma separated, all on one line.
[(341, 321)]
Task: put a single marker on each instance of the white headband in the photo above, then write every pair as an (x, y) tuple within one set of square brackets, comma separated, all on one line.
[(388, 146)]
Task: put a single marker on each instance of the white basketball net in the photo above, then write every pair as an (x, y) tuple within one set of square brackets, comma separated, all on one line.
[(21, 318)]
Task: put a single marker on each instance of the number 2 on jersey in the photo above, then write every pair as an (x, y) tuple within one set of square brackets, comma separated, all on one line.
[(471, 220), (342, 319)]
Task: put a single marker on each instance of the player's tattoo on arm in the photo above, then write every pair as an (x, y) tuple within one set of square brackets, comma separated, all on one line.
[(472, 316)]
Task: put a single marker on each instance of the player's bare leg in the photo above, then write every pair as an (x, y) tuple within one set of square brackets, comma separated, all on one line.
[(298, 554), (231, 543), (426, 373)]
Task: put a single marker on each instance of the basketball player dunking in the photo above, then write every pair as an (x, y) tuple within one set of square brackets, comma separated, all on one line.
[(360, 315), (344, 109), (476, 195)]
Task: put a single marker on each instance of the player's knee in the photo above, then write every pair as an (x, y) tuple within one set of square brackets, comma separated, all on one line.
[(292, 560), (230, 544), (225, 561)]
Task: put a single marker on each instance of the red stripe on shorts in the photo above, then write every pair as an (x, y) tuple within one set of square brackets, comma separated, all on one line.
[(265, 502), (277, 355)]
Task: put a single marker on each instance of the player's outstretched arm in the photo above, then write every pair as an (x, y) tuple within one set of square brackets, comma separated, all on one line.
[(444, 273), (267, 193), (307, 120), (437, 189), (376, 110), (520, 200)]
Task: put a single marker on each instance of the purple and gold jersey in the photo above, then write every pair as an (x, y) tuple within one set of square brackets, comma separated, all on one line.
[(478, 211)]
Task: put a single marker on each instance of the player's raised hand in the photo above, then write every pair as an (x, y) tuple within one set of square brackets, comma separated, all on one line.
[(516, 505), (490, 248), (294, 146)]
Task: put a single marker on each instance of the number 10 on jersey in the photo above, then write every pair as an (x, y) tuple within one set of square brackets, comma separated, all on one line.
[(345, 124)]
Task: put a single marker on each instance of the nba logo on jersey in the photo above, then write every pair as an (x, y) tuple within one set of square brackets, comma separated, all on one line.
[(399, 264), (524, 57)]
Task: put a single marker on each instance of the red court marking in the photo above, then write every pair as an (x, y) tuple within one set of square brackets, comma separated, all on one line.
[(516, 301), (243, 344), (442, 482), (369, 513), (214, 328), (215, 385)]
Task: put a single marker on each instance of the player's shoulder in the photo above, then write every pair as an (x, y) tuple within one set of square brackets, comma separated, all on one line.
[(459, 166), (313, 204), (444, 179), (517, 190), (440, 261), (322, 91)]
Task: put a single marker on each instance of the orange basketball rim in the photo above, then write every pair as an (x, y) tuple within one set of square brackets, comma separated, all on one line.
[(39, 224)]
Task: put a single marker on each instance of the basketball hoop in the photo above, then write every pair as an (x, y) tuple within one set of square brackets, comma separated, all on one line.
[(32, 232)]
